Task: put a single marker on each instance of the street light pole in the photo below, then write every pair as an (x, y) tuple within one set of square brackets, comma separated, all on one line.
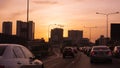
[(27, 10), (49, 31), (107, 15), (107, 26)]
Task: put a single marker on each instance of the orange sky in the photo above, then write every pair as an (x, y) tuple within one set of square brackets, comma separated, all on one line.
[(73, 14)]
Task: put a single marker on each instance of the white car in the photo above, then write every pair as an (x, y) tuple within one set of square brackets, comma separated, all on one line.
[(116, 51), (100, 53), (17, 56)]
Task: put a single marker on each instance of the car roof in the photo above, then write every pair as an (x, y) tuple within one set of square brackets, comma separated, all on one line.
[(10, 45), (117, 46), (100, 46), (68, 47)]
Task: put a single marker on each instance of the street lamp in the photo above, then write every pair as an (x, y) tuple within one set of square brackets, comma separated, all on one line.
[(48, 30), (107, 20)]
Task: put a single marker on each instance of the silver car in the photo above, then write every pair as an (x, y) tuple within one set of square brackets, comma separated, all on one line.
[(17, 56), (116, 51), (100, 53)]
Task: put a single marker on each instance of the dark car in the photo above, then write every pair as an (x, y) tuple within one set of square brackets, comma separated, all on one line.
[(88, 49), (68, 52), (100, 54), (116, 51)]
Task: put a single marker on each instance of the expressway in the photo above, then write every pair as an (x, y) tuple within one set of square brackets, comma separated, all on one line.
[(80, 61)]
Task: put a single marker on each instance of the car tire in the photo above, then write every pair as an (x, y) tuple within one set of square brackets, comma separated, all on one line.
[(42, 65), (91, 61), (63, 57), (73, 56)]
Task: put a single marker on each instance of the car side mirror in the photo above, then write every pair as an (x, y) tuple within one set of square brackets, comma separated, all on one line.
[(32, 58)]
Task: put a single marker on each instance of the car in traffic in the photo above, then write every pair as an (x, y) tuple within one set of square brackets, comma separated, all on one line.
[(75, 49), (88, 49), (17, 56), (100, 53), (68, 52), (116, 51)]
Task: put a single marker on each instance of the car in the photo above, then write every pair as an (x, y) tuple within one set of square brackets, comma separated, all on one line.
[(68, 52), (17, 56), (116, 51), (75, 49), (88, 49), (100, 53)]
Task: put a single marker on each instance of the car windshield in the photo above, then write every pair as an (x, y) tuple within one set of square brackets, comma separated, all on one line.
[(67, 49), (101, 48), (2, 49)]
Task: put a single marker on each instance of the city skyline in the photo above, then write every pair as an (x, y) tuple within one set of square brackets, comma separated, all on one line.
[(73, 14)]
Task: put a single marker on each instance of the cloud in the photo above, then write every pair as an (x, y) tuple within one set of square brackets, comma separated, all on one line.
[(45, 2)]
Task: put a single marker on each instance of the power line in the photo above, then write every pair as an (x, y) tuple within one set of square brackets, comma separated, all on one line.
[(90, 28)]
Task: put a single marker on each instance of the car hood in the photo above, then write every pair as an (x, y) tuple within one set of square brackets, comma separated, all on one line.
[(38, 62), (1, 57)]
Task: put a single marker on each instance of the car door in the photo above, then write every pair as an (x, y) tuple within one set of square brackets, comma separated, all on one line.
[(28, 55), (20, 56)]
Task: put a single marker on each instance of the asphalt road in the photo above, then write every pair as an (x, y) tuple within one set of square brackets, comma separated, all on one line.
[(80, 61)]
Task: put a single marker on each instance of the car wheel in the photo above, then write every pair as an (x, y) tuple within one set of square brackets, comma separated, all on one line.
[(91, 61), (63, 57), (42, 65), (73, 56)]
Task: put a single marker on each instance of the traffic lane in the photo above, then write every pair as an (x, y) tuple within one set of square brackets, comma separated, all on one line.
[(63, 63), (80, 61), (59, 63), (85, 63)]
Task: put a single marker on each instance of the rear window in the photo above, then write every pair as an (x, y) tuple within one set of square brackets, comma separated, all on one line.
[(2, 49), (67, 49), (101, 48), (118, 48)]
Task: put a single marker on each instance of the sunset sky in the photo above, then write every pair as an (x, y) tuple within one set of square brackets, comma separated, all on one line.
[(73, 14)]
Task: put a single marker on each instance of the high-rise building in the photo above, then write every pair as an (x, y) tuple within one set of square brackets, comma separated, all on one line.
[(7, 28), (25, 29), (75, 35), (31, 30), (115, 32), (56, 35)]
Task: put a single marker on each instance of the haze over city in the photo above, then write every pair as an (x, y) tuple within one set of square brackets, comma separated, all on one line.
[(73, 14)]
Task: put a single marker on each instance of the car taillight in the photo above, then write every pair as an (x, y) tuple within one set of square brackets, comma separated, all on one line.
[(109, 53), (117, 51), (2, 66), (92, 53)]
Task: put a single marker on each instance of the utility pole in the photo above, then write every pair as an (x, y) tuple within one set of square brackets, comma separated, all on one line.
[(107, 15), (90, 28)]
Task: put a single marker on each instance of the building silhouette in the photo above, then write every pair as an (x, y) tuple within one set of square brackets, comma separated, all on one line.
[(115, 32), (31, 30), (56, 35), (25, 29), (102, 40), (7, 28), (75, 35)]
